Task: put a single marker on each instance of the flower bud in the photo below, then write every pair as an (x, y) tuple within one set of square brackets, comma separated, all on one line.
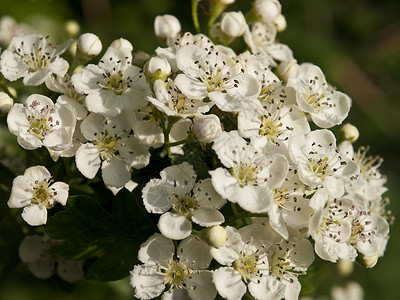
[(72, 28), (6, 102), (345, 267), (157, 68), (89, 45), (122, 43), (224, 2), (349, 133), (166, 26), (233, 24), (369, 262), (280, 23), (207, 127), (287, 69), (267, 10), (216, 236)]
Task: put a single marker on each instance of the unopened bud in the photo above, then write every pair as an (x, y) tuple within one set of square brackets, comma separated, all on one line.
[(216, 236), (72, 28), (89, 45), (207, 127), (267, 10), (233, 24), (280, 23), (122, 43), (166, 26), (6, 102), (287, 69), (349, 133), (368, 262), (157, 68)]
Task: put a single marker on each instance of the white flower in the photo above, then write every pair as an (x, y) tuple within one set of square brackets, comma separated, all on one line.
[(9, 28), (352, 291), (111, 146), (113, 84), (233, 24), (89, 45), (326, 106), (40, 122), (33, 58), (167, 26), (207, 127), (182, 274), (249, 176), (188, 201), (320, 163), (35, 251), (36, 192), (170, 100), (330, 227), (215, 75)]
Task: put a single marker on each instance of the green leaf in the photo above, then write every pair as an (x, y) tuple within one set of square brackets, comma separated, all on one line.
[(90, 231)]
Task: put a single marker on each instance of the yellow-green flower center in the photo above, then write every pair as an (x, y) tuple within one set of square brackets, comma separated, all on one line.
[(176, 274), (246, 265)]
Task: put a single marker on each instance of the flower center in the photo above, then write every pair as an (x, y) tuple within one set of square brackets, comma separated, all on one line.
[(42, 194), (40, 57), (41, 121), (245, 174), (271, 127), (176, 274), (266, 92), (319, 167), (185, 205), (107, 145), (361, 229), (115, 81), (246, 265)]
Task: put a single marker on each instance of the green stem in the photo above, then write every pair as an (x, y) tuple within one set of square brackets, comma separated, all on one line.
[(195, 16), (241, 215), (216, 9), (177, 143), (166, 129), (234, 209)]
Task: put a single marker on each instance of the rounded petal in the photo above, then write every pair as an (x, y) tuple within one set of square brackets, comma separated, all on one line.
[(88, 160), (147, 281), (229, 283), (62, 192), (268, 288), (156, 196), (156, 250), (208, 217), (32, 248), (174, 226), (195, 252), (35, 215), (115, 172), (203, 287)]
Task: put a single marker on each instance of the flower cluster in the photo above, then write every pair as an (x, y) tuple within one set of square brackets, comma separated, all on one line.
[(279, 188)]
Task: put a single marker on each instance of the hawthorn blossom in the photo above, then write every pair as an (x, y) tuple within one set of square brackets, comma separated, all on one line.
[(173, 276), (216, 75), (36, 191), (111, 147), (33, 58), (189, 201), (320, 163), (326, 106), (249, 176), (40, 122), (112, 85)]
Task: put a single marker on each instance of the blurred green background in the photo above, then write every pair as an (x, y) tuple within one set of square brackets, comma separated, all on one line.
[(355, 42)]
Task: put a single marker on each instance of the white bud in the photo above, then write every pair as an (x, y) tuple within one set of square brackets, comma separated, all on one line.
[(345, 267), (166, 26), (89, 44), (267, 10), (233, 24), (280, 23), (225, 2), (216, 236), (287, 69), (6, 102), (122, 43), (72, 28), (157, 68), (207, 127), (349, 133), (368, 262)]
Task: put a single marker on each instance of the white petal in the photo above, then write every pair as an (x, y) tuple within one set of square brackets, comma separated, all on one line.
[(35, 215), (70, 270), (32, 248), (224, 183), (174, 226), (334, 186), (206, 195), (79, 110), (156, 196), (43, 268), (88, 160), (191, 87), (228, 253), (115, 171), (194, 252), (176, 294), (268, 288), (203, 287), (254, 199), (156, 250), (229, 283), (147, 281), (36, 78), (62, 192), (182, 177), (208, 217)]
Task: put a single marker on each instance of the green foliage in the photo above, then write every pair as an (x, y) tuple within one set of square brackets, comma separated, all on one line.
[(112, 240)]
